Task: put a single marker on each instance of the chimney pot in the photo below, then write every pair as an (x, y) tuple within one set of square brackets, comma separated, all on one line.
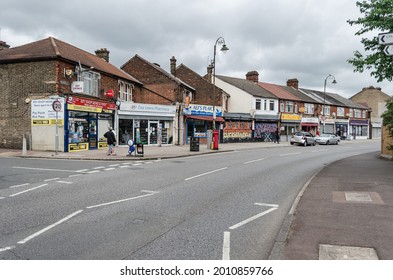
[(4, 45), (173, 66)]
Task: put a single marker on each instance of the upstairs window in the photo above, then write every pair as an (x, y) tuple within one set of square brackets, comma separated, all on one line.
[(289, 106), (340, 111), (91, 82), (271, 105), (258, 104), (309, 108)]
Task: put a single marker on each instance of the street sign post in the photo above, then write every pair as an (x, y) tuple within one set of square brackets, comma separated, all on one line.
[(388, 50), (385, 38)]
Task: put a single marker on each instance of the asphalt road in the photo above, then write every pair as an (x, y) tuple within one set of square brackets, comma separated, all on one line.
[(208, 207)]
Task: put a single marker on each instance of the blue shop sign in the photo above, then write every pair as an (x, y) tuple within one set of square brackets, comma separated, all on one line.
[(202, 110)]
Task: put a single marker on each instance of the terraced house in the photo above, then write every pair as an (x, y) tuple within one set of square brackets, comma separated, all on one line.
[(85, 87)]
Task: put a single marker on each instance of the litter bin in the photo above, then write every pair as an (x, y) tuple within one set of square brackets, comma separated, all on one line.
[(194, 144)]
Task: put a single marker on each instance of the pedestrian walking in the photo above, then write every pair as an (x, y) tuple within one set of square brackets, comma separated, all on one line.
[(277, 136), (111, 140)]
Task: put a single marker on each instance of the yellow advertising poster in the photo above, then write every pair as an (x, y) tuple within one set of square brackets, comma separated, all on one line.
[(75, 147)]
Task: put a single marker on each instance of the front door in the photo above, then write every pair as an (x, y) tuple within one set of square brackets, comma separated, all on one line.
[(92, 133), (153, 129)]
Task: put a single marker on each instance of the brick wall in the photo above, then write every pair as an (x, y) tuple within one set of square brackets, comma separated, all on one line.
[(17, 82)]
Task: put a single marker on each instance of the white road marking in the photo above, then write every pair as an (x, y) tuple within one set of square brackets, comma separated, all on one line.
[(252, 218), (52, 179), (98, 167), (7, 248), (75, 175), (28, 190), (22, 185), (65, 182), (45, 169), (226, 246), (109, 169), (290, 154), (2, 197), (318, 151), (113, 165), (255, 160), (135, 164), (125, 163), (122, 200), (82, 170), (266, 204), (124, 166), (50, 227), (207, 173), (94, 171)]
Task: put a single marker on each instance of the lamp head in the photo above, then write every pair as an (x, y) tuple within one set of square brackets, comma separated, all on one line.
[(224, 48), (334, 81)]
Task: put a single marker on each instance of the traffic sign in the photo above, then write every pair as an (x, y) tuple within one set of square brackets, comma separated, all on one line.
[(56, 105), (388, 50), (385, 38)]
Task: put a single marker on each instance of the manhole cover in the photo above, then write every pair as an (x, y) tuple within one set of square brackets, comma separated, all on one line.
[(358, 196)]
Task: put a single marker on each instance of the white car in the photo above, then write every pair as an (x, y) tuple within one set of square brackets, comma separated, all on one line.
[(327, 139), (303, 138)]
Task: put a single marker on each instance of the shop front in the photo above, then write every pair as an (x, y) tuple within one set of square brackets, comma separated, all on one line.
[(327, 125), (148, 124), (86, 121), (290, 123), (310, 125), (237, 128), (265, 127), (199, 119), (342, 126), (358, 129)]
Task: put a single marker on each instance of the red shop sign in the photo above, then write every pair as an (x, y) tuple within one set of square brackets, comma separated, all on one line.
[(90, 103)]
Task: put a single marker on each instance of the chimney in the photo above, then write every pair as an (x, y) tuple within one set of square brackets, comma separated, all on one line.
[(173, 66), (3, 45), (293, 83), (103, 53), (210, 73), (253, 76)]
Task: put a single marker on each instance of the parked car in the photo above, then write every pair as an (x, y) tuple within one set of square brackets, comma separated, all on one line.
[(327, 138), (303, 138)]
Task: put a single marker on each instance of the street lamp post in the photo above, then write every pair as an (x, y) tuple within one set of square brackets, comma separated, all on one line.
[(220, 41), (324, 98)]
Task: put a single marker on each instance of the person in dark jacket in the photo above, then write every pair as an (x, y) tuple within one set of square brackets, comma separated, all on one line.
[(111, 140)]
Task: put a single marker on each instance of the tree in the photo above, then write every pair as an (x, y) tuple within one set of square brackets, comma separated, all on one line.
[(388, 119), (378, 18)]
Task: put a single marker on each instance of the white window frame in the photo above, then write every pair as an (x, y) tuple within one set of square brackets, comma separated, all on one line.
[(309, 108), (340, 111), (91, 82), (125, 93), (288, 106), (258, 103), (272, 105)]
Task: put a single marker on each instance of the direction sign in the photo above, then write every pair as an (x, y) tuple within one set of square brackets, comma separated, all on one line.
[(388, 50), (385, 38)]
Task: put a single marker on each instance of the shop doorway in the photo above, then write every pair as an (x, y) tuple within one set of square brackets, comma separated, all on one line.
[(153, 131), (93, 133)]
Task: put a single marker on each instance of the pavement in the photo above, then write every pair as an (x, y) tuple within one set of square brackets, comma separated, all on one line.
[(342, 213)]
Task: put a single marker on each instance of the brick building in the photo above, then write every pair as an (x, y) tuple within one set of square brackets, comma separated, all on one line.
[(160, 89), (87, 86), (375, 99)]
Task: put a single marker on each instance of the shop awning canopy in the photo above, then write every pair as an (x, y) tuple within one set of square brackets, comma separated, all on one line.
[(206, 118)]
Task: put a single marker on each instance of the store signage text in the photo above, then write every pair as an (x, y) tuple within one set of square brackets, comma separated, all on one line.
[(88, 105), (202, 110)]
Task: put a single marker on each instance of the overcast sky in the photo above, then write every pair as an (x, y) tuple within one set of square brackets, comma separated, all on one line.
[(281, 39)]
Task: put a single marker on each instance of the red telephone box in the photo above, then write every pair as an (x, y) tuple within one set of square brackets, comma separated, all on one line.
[(215, 139)]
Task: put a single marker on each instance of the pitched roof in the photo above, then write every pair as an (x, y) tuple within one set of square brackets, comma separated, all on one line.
[(304, 97), (347, 102), (52, 48), (247, 86), (159, 69), (279, 91)]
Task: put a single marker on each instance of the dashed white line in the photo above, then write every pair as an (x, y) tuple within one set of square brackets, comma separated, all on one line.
[(75, 175), (207, 173), (98, 167), (266, 204), (52, 179), (21, 185), (121, 200), (113, 165), (50, 227), (252, 161), (2, 197), (94, 171), (226, 247), (290, 154), (64, 182), (40, 186), (44, 169), (7, 248), (82, 170), (109, 169)]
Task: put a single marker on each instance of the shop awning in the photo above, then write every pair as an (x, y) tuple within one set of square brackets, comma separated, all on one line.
[(206, 118)]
